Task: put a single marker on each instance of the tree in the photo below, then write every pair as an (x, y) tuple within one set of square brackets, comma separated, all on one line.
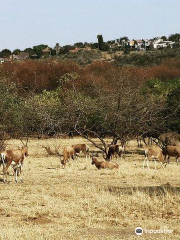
[(79, 45), (16, 51), (5, 53), (100, 42), (30, 51), (52, 52), (127, 49), (57, 48), (164, 38), (173, 109), (174, 37), (94, 45), (39, 49), (119, 110), (65, 49), (124, 40)]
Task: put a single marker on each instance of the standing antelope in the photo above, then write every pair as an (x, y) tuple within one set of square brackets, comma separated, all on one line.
[(154, 152), (67, 153), (171, 151), (115, 150), (14, 158), (84, 148)]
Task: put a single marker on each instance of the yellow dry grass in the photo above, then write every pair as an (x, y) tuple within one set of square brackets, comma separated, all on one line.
[(83, 203)]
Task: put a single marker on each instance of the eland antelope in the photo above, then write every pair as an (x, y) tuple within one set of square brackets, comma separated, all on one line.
[(15, 159)]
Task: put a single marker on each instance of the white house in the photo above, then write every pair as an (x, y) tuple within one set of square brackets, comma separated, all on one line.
[(163, 44)]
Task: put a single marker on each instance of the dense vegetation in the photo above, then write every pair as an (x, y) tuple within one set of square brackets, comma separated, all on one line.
[(47, 97), (148, 58)]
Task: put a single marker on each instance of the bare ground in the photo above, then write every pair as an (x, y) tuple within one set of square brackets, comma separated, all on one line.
[(81, 202)]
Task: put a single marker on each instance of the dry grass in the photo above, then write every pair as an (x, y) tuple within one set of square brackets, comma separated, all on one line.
[(83, 203)]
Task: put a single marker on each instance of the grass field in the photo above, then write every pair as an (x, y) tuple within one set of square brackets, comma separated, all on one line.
[(83, 203)]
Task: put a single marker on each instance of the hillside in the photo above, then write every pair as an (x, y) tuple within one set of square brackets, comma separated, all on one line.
[(133, 58)]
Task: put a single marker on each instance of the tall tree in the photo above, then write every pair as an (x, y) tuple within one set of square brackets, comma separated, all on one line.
[(100, 42)]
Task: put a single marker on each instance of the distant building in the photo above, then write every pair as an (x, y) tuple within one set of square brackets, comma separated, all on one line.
[(20, 56), (159, 43), (2, 60), (132, 43), (140, 45)]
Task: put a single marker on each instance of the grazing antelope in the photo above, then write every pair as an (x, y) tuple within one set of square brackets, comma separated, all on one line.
[(104, 164), (84, 148), (115, 150), (153, 153), (68, 152), (171, 151), (15, 159)]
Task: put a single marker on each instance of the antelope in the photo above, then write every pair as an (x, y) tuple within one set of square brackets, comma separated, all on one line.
[(115, 150), (14, 158), (154, 152), (67, 153), (171, 151), (78, 148), (104, 164)]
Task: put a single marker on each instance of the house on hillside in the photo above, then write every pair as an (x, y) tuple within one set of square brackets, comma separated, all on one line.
[(2, 60), (132, 44), (169, 43), (159, 43), (140, 44), (19, 57)]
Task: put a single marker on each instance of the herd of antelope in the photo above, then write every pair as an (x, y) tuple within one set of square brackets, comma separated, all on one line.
[(168, 145)]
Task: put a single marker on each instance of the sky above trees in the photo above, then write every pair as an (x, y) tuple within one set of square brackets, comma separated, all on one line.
[(27, 23)]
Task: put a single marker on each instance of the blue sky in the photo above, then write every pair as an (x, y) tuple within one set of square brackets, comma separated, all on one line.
[(25, 23)]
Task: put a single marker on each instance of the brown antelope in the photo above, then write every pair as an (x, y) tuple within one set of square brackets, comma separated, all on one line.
[(15, 159), (104, 164), (171, 151), (115, 150), (68, 152), (78, 148), (153, 153)]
